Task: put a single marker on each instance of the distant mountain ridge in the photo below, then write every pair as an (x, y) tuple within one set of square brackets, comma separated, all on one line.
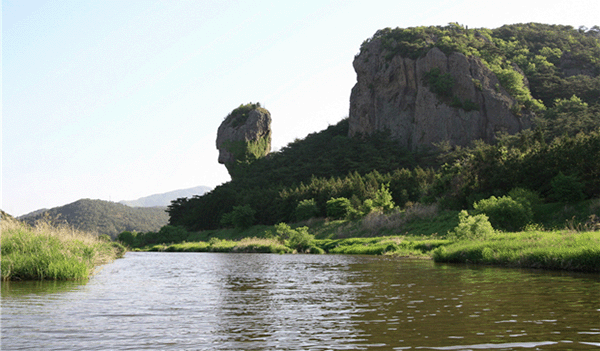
[(103, 217), (164, 199)]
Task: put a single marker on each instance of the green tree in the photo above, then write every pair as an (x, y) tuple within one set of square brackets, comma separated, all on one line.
[(566, 188), (306, 209), (383, 198), (339, 208), (241, 217)]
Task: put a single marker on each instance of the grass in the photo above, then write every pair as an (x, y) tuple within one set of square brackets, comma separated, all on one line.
[(391, 245), (559, 250), (420, 231), (248, 245), (55, 253)]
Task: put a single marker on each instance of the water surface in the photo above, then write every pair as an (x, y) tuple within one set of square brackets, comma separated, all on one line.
[(210, 301)]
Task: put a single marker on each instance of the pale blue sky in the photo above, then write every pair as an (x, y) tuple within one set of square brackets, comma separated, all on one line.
[(119, 99)]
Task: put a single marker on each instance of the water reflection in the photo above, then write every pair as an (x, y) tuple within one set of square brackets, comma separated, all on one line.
[(302, 302), (276, 301), (23, 289)]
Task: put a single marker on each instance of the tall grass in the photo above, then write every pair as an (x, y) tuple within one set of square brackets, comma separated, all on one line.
[(564, 250), (48, 252)]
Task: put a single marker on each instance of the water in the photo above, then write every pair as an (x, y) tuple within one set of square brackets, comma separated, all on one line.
[(209, 301)]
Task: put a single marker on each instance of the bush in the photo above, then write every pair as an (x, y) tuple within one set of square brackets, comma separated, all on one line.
[(476, 227), (524, 196), (566, 188), (505, 213), (306, 209), (128, 238), (297, 239), (439, 83), (171, 234), (242, 217), (338, 208)]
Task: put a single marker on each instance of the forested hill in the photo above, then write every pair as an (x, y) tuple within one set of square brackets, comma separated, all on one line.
[(103, 217), (551, 71)]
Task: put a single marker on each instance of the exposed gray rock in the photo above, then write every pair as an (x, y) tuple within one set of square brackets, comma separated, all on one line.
[(391, 94), (244, 136)]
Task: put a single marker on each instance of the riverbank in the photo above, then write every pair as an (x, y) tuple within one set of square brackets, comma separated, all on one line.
[(557, 250), (44, 252), (565, 249)]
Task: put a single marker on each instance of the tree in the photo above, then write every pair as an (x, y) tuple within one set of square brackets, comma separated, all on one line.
[(241, 217)]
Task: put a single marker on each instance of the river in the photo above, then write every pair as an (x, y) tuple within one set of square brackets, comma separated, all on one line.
[(211, 301)]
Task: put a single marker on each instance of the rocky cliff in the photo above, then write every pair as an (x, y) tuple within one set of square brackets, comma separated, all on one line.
[(244, 136), (397, 94)]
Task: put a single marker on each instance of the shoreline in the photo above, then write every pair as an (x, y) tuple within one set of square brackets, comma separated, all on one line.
[(559, 250)]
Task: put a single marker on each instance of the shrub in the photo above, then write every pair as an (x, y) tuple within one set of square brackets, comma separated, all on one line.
[(505, 213), (475, 227), (306, 209), (439, 83), (338, 208), (128, 238), (298, 239), (241, 217), (171, 234), (523, 196), (566, 188)]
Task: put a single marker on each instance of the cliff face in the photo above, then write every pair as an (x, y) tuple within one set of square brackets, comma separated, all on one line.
[(244, 136), (394, 94)]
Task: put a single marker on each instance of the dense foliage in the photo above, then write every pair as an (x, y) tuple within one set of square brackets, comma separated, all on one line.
[(558, 157)]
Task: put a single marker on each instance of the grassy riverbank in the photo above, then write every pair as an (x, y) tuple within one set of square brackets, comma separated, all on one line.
[(389, 245), (53, 253), (560, 250), (421, 232)]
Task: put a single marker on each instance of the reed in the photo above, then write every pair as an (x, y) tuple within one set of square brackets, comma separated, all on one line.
[(56, 253)]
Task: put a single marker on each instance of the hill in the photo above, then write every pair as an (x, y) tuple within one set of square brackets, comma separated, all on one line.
[(103, 217), (549, 74), (164, 199)]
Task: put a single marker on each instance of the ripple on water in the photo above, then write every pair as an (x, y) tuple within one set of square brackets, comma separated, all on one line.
[(300, 302)]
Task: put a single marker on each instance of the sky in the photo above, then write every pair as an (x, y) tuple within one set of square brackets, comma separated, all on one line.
[(121, 99)]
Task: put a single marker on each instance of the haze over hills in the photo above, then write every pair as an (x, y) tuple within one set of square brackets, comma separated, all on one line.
[(164, 199)]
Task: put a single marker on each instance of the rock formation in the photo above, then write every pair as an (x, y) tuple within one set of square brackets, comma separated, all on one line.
[(393, 94), (244, 136)]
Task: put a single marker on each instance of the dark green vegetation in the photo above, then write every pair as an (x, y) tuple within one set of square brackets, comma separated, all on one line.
[(54, 253), (103, 217), (544, 178)]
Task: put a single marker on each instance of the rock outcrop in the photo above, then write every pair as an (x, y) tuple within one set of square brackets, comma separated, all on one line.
[(244, 136), (392, 94)]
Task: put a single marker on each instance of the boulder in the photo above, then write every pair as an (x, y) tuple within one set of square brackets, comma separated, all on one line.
[(244, 136)]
